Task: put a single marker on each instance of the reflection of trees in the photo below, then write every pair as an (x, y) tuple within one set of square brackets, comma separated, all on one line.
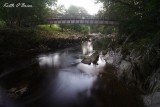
[(109, 91)]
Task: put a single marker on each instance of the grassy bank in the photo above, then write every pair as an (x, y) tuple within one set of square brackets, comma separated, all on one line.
[(42, 38)]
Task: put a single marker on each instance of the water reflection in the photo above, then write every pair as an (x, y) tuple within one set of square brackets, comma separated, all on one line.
[(61, 80), (57, 60), (4, 101), (69, 84), (50, 60), (73, 78), (87, 47)]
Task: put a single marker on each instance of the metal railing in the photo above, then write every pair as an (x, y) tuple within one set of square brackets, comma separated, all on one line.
[(80, 16)]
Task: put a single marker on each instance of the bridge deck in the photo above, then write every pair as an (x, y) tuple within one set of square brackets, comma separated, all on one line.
[(81, 21), (76, 20)]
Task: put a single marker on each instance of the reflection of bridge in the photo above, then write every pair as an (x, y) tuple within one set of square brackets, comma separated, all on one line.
[(78, 19)]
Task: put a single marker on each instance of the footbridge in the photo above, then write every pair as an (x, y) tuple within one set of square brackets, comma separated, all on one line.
[(78, 19)]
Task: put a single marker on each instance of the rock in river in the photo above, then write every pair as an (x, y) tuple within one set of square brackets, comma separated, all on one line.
[(91, 59)]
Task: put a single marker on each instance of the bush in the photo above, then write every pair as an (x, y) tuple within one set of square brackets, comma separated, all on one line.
[(48, 28), (2, 24)]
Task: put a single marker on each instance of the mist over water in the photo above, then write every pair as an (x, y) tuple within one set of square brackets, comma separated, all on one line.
[(59, 79)]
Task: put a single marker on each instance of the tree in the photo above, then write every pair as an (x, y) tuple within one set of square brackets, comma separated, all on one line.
[(77, 12), (139, 16), (16, 15), (58, 9)]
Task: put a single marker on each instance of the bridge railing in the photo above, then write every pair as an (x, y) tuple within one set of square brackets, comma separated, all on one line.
[(76, 17)]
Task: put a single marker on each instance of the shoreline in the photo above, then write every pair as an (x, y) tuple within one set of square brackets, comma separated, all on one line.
[(22, 42)]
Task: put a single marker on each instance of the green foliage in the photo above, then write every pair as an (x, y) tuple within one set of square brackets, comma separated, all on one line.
[(23, 40), (75, 11), (141, 20), (2, 24), (134, 15), (15, 40), (15, 16), (85, 29), (102, 44), (104, 29), (49, 28), (97, 28), (78, 28)]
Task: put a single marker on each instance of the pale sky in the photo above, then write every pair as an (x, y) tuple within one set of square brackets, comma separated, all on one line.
[(89, 5)]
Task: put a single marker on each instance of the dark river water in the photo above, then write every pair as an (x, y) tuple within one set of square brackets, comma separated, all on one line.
[(59, 79)]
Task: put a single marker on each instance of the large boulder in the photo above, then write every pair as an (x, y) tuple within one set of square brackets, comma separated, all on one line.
[(93, 58)]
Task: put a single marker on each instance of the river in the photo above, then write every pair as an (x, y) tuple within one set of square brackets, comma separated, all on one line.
[(59, 79)]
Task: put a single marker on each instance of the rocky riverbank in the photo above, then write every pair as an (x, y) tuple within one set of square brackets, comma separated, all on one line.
[(136, 68)]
